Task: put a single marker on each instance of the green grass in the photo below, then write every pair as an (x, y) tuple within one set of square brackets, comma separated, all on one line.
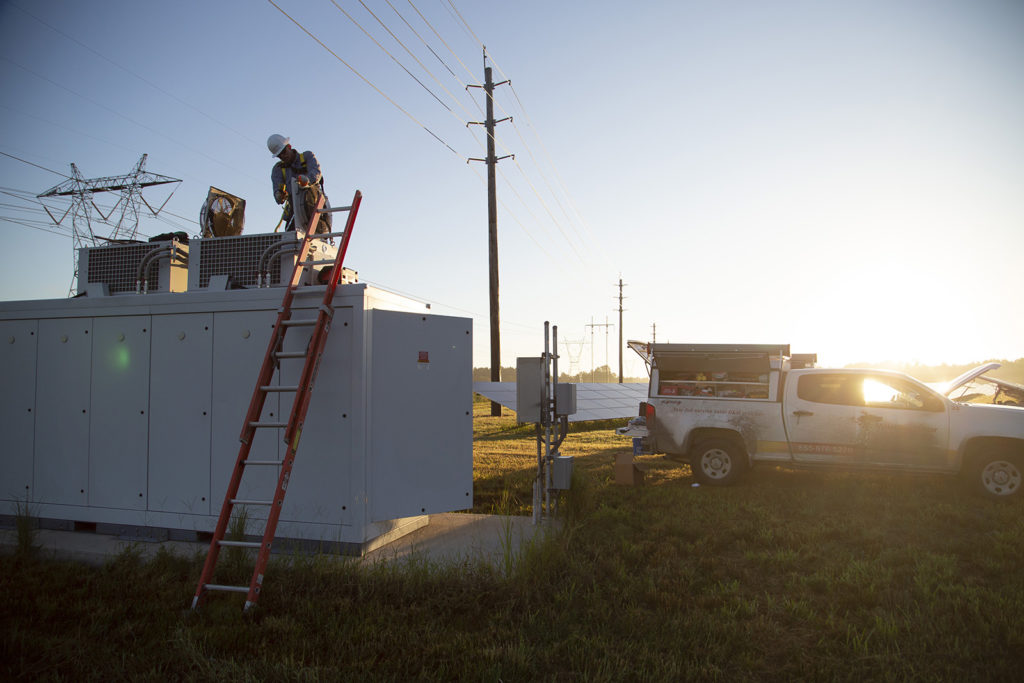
[(790, 575), (26, 526)]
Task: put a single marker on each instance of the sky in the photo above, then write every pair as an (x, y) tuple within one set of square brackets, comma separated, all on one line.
[(842, 177)]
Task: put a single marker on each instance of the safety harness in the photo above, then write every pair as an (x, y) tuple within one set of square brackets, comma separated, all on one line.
[(305, 170)]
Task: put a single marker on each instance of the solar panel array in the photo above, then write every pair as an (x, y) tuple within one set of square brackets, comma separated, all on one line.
[(594, 400)]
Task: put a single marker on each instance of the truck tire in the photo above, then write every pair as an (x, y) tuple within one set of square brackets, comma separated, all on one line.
[(717, 462), (998, 475)]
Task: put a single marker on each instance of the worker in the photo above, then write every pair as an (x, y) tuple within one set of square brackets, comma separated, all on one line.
[(298, 184)]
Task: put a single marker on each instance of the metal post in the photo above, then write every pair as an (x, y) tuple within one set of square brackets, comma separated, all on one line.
[(536, 480), (546, 416), (539, 487), (554, 406)]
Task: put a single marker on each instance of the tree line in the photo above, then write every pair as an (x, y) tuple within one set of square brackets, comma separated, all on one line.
[(1011, 370)]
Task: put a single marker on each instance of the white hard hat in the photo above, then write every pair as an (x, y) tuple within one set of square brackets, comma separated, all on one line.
[(276, 143)]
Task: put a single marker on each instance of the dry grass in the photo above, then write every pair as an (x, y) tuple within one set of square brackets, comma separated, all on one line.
[(505, 457)]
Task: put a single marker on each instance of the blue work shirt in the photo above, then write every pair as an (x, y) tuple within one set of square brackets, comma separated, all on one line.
[(305, 163)]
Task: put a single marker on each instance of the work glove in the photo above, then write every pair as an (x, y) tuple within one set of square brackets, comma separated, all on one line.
[(279, 196), (302, 180)]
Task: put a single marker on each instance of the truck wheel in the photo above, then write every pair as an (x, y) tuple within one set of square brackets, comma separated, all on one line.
[(717, 462), (999, 476)]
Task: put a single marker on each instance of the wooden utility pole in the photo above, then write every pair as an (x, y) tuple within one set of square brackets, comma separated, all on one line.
[(492, 227)]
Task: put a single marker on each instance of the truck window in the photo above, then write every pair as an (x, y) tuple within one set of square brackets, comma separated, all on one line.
[(893, 392), (867, 391), (836, 389)]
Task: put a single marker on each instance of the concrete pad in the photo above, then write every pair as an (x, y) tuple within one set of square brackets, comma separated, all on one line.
[(457, 538), (448, 538)]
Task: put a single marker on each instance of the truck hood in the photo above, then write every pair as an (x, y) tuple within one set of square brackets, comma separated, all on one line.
[(968, 376)]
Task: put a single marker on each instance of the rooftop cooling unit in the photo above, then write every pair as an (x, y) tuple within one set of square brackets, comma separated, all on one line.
[(139, 267), (256, 260)]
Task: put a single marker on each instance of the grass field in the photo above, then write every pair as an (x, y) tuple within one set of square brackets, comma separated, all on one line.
[(790, 575)]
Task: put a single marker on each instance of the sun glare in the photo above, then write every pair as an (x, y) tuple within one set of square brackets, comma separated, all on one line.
[(876, 392)]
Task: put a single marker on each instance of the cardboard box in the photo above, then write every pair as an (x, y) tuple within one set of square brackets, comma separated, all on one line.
[(626, 472)]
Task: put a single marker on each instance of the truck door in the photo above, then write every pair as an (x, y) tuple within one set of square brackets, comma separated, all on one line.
[(865, 419)]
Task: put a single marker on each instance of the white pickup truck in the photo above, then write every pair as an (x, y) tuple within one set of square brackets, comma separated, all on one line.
[(723, 408)]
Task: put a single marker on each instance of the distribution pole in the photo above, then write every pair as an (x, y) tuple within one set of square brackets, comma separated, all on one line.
[(607, 360), (592, 325), (492, 228), (620, 330)]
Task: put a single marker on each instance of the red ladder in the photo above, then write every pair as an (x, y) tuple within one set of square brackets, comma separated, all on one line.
[(293, 428)]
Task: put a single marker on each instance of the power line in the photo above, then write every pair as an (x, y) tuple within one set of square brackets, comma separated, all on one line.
[(108, 143), (551, 162), (526, 178), (363, 78), (427, 45), (385, 50), (455, 99), (529, 152), (479, 42), (34, 227), (410, 53), (141, 78), (63, 175), (431, 27), (126, 118), (475, 315), (513, 216), (554, 194), (505, 148)]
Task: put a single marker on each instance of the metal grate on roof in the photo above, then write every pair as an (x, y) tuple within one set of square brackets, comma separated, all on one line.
[(117, 266), (238, 257)]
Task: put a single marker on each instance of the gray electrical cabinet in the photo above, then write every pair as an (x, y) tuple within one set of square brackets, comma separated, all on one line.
[(127, 410), (529, 389)]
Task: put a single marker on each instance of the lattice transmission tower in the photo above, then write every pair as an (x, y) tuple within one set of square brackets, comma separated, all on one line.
[(123, 225), (574, 349)]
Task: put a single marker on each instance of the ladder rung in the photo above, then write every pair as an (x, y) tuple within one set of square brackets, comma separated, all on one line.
[(261, 462), (240, 544), (321, 262), (273, 387), (335, 209), (246, 501), (289, 354), (230, 589), (291, 323), (268, 425)]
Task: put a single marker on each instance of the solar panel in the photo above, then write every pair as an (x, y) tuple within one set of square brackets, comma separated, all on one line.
[(594, 401)]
